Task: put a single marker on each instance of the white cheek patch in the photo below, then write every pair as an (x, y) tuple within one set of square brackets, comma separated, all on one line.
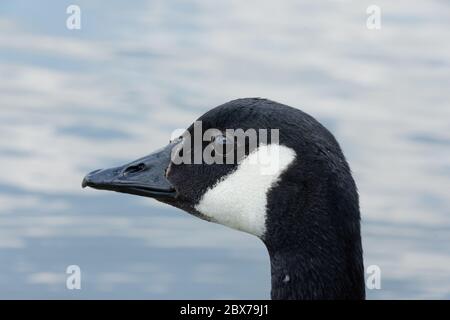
[(239, 199)]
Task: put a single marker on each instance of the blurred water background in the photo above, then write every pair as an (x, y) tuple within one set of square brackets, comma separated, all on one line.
[(76, 100)]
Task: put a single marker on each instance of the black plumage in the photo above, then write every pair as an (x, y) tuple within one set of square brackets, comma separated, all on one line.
[(313, 219)]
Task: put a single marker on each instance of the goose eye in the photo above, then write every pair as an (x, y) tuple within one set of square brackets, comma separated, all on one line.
[(222, 140), (223, 145)]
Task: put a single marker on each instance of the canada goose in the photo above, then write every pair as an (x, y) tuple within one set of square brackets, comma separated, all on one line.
[(305, 210)]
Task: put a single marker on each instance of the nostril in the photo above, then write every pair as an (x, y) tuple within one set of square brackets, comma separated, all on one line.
[(134, 168)]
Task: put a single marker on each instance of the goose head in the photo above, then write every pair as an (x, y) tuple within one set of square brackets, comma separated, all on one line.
[(269, 170)]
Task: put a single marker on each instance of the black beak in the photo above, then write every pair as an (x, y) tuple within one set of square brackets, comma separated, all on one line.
[(143, 177)]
